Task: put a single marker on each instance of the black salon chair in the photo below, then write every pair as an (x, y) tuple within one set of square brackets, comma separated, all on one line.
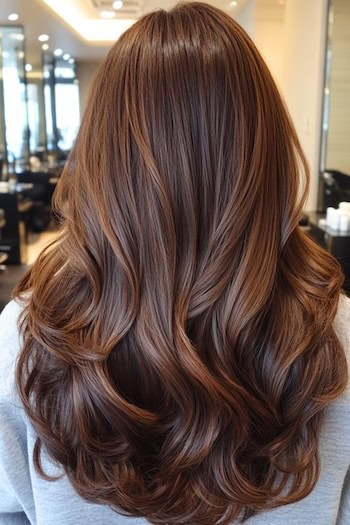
[(40, 195), (3, 255), (336, 188)]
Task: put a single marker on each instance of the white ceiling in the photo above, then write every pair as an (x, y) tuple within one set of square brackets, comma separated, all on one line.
[(38, 19), (60, 19)]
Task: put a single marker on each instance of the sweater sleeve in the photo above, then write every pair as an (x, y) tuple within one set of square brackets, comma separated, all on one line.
[(15, 482), (342, 326), (344, 508)]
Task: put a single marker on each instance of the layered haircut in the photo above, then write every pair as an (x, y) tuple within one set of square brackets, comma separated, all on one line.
[(178, 350)]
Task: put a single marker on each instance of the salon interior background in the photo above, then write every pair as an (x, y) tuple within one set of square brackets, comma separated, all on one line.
[(290, 34)]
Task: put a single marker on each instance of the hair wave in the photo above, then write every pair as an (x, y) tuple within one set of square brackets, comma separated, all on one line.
[(178, 350)]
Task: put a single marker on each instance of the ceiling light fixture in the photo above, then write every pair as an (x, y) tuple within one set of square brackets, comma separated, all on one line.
[(71, 60), (118, 4), (58, 52), (66, 56), (233, 4), (107, 14), (45, 47), (43, 38), (13, 17), (90, 29), (28, 67)]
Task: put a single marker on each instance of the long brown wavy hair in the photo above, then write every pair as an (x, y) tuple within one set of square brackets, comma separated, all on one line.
[(178, 350)]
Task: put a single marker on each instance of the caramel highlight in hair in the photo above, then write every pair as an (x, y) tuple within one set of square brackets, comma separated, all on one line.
[(178, 350)]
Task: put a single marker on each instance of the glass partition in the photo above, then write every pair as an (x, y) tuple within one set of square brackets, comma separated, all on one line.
[(14, 97)]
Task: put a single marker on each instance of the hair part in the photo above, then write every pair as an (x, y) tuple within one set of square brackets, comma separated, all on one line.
[(178, 350)]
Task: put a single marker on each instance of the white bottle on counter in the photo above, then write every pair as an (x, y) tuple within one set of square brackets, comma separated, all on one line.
[(344, 206), (339, 220), (344, 222)]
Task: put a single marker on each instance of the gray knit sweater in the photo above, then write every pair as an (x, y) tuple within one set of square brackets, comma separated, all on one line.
[(27, 498)]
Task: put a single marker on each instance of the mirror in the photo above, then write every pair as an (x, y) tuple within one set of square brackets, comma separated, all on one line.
[(49, 100), (61, 94), (66, 102), (36, 110), (15, 139), (334, 184)]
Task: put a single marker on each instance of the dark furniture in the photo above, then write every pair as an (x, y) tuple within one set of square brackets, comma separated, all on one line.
[(40, 195), (336, 188), (9, 277), (337, 243), (3, 255), (14, 238)]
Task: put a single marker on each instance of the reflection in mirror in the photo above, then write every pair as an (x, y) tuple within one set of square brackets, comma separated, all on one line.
[(49, 100), (61, 94), (335, 154), (2, 121), (36, 113), (67, 102), (14, 95)]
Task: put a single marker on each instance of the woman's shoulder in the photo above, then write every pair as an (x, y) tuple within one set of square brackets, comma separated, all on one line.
[(10, 343)]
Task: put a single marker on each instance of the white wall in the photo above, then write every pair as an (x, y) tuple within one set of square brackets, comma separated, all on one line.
[(291, 36), (86, 72), (338, 148), (269, 35), (246, 17), (304, 57)]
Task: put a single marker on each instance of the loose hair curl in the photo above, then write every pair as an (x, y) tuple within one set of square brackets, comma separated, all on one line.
[(178, 350)]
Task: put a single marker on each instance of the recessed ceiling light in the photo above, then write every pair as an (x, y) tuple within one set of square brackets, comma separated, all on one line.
[(45, 47), (233, 4), (71, 60), (107, 14), (5, 54), (28, 67), (58, 52), (66, 56), (94, 30), (118, 4), (43, 38), (21, 54), (13, 17)]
